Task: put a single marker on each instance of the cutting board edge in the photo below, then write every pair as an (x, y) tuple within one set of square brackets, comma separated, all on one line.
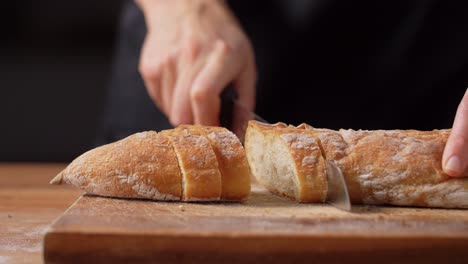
[(58, 246), (271, 234)]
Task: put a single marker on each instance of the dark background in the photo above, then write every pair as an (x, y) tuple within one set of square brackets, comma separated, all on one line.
[(402, 64), (54, 67)]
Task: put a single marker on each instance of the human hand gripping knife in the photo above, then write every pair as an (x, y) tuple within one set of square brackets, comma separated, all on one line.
[(235, 117)]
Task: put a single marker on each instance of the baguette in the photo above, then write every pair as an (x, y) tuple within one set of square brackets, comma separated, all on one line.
[(397, 167), (187, 164)]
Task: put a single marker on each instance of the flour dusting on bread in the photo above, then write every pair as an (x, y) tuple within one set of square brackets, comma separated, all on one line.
[(399, 167), (177, 164)]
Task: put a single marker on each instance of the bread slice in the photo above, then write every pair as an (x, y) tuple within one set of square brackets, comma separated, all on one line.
[(232, 161), (201, 178), (142, 165), (287, 161)]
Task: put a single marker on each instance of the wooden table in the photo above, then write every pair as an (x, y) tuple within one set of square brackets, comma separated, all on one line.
[(28, 205)]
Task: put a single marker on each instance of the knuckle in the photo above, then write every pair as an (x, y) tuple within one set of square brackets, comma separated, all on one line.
[(172, 55), (191, 46), (150, 70), (199, 94), (223, 47), (165, 62), (190, 39)]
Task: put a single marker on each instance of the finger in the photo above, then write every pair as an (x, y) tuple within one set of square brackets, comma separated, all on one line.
[(168, 83), (455, 158), (245, 85), (245, 88), (181, 109), (151, 75), (187, 68), (207, 87), (150, 69)]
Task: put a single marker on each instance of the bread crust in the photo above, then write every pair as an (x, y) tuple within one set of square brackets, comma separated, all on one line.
[(176, 164), (142, 165), (232, 161), (397, 167), (201, 178), (305, 156)]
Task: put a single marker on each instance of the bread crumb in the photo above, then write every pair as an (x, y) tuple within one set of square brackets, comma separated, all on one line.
[(182, 208)]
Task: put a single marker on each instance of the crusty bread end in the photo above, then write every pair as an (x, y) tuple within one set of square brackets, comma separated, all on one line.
[(57, 180)]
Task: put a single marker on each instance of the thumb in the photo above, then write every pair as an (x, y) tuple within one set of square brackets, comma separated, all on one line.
[(455, 158)]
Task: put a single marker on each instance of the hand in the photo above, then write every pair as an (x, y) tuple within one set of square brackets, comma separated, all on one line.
[(192, 51), (455, 158)]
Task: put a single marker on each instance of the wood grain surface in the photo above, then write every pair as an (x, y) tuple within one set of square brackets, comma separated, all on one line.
[(28, 205), (266, 228)]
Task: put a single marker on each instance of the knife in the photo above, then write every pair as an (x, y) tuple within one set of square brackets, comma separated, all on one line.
[(235, 116)]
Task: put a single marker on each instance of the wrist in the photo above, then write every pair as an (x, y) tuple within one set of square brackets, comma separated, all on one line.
[(156, 11), (186, 5)]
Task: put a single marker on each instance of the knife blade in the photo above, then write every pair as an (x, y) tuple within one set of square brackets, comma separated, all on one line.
[(235, 116), (337, 193)]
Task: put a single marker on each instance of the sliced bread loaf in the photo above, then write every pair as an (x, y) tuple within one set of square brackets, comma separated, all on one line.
[(398, 167), (189, 163)]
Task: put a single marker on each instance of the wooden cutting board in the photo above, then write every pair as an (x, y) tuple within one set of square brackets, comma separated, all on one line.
[(266, 229)]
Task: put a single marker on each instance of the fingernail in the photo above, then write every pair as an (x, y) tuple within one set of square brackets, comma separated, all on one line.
[(454, 165)]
